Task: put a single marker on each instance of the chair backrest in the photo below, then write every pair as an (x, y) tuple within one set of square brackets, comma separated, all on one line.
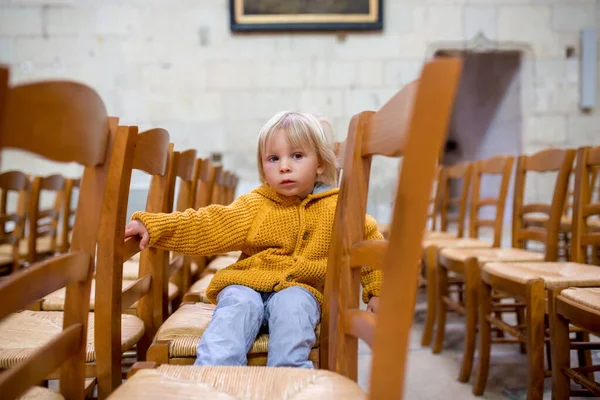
[(13, 181), (151, 152), (67, 213), (545, 161), (179, 265), (64, 122), (218, 185), (459, 174), (434, 201), (498, 165), (412, 124), (44, 222), (585, 226), (204, 180)]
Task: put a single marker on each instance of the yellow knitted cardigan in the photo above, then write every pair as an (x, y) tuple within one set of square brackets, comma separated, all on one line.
[(284, 241)]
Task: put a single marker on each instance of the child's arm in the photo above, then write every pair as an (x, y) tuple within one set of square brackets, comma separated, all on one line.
[(210, 230), (371, 278)]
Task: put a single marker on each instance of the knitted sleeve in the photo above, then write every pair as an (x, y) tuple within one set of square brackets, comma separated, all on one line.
[(371, 278), (209, 230)]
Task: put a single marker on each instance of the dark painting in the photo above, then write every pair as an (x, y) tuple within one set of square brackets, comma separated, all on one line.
[(279, 15), (306, 7)]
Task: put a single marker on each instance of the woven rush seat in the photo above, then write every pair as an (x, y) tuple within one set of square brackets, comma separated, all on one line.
[(40, 393), (589, 297), (200, 287), (439, 235), (490, 255), (131, 269), (189, 382), (56, 301), (43, 245), (6, 259), (184, 328), (21, 334), (554, 274), (220, 263), (460, 243)]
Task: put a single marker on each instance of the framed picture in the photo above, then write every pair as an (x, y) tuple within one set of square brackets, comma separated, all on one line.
[(305, 15)]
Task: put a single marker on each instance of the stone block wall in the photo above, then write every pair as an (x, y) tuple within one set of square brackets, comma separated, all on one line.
[(175, 64)]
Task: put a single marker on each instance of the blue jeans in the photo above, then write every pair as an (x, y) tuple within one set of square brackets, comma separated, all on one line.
[(290, 315)]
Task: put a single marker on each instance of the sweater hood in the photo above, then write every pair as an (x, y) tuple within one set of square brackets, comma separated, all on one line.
[(320, 190)]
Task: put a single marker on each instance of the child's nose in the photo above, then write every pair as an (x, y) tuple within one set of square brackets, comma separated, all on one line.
[(284, 166)]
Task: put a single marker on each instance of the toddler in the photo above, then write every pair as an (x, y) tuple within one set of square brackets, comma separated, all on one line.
[(283, 229)]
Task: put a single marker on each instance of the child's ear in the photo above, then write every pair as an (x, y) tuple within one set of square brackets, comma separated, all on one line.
[(320, 169)]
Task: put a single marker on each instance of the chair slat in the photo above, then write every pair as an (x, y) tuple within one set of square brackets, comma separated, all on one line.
[(13, 180), (54, 273), (185, 167), (368, 253), (387, 133), (131, 247), (54, 103), (361, 324), (135, 291), (547, 160), (150, 152)]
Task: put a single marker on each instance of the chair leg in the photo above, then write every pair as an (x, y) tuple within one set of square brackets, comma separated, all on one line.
[(535, 339), (430, 261), (521, 321), (584, 357), (472, 280), (442, 307), (561, 357), (485, 338)]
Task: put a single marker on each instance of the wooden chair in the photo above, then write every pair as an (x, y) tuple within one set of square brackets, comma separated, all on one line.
[(12, 181), (184, 168), (413, 124), (115, 332), (434, 242), (577, 306), (63, 122), (527, 282), (482, 169), (149, 151)]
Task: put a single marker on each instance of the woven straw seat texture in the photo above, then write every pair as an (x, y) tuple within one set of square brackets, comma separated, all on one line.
[(56, 301), (189, 382), (490, 255), (589, 297), (554, 274), (455, 243), (131, 269), (185, 326), (21, 334), (201, 285)]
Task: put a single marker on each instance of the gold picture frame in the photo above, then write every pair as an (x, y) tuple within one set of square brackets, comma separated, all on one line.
[(307, 15)]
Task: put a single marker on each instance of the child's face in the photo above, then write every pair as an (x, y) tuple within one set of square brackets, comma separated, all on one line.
[(290, 171)]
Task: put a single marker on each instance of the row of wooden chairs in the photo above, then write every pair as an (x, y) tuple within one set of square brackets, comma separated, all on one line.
[(31, 231), (149, 151), (485, 277), (49, 114)]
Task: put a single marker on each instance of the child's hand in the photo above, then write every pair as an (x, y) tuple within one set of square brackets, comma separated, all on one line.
[(373, 305), (137, 228)]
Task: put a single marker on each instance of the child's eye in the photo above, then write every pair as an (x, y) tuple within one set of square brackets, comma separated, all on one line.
[(297, 156), (272, 158)]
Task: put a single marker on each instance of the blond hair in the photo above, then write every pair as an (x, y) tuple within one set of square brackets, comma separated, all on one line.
[(302, 130)]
